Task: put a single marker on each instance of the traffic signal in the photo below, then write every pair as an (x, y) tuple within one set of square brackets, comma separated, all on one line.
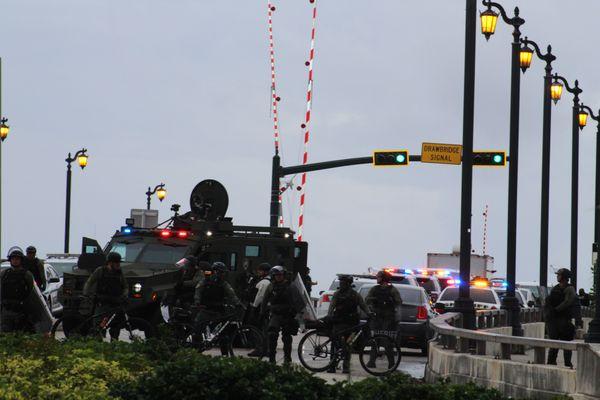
[(390, 158), (489, 158)]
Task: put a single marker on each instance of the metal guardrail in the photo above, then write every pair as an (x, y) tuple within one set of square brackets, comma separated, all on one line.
[(452, 336)]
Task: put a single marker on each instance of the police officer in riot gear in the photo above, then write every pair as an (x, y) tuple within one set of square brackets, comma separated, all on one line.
[(35, 266), (343, 312), (108, 288), (16, 285), (213, 293), (283, 302), (558, 311), (260, 285), (383, 299)]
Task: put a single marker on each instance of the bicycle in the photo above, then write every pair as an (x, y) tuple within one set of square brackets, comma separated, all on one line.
[(227, 330), (319, 349), (116, 319)]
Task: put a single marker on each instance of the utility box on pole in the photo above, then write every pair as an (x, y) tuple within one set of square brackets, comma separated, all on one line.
[(144, 218)]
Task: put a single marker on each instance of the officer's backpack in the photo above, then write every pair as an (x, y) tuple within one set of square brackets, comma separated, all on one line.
[(14, 286)]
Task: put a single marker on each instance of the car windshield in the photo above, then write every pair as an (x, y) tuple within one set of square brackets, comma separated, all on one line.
[(410, 295), (478, 295), (427, 283), (535, 291), (149, 253), (502, 295), (63, 266)]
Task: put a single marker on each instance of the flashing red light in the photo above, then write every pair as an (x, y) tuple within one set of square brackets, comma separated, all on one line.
[(166, 233), (183, 234), (421, 312), (325, 298)]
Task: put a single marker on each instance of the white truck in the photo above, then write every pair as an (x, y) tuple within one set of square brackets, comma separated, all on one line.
[(481, 265)]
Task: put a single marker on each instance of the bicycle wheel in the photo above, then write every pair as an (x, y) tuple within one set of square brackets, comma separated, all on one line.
[(379, 355), (315, 351), (245, 339), (70, 326), (135, 329)]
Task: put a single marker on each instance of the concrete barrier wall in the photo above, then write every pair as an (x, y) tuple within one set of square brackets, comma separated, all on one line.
[(518, 379), (513, 379)]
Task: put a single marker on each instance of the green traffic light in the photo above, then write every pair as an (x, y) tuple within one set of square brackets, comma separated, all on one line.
[(400, 158), (497, 158)]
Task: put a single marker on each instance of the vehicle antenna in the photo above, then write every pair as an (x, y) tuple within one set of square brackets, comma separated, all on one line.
[(306, 125), (274, 97), (485, 221)]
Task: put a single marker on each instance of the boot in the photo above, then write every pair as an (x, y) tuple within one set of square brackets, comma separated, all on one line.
[(287, 349), (272, 347), (552, 355), (568, 355)]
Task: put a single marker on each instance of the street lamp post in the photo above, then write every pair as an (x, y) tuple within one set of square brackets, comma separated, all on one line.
[(577, 124), (82, 158), (546, 133), (510, 302), (464, 304), (160, 191), (4, 130), (593, 334)]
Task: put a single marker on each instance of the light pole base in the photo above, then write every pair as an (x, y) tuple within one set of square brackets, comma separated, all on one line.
[(466, 307), (513, 311), (593, 334)]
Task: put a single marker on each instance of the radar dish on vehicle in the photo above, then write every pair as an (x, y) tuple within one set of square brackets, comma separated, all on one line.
[(209, 200)]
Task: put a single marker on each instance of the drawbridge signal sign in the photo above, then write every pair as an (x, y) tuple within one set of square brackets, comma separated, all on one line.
[(390, 158)]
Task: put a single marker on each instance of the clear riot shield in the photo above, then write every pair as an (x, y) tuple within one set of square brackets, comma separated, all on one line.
[(309, 310)]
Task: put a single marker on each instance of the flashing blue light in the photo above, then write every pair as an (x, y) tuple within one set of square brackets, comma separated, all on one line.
[(127, 230), (408, 271)]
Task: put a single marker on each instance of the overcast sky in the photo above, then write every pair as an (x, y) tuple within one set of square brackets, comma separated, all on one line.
[(178, 91)]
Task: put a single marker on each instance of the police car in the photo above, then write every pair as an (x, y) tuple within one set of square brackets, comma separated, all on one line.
[(481, 292)]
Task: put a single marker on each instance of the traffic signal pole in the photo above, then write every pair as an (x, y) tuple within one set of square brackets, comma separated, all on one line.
[(279, 172)]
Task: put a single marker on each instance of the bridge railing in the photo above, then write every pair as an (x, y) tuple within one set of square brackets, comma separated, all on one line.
[(452, 336)]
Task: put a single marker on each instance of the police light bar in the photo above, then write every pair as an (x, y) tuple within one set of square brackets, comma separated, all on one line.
[(126, 230), (480, 283)]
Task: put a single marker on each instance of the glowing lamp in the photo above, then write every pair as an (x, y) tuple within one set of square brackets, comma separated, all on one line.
[(4, 129), (583, 116), (166, 233), (82, 160), (556, 90), (525, 57), (161, 193), (488, 18)]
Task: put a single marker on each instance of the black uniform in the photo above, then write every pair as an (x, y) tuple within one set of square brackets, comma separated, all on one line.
[(36, 267), (343, 312), (283, 302), (559, 309), (211, 296), (109, 289), (383, 300), (16, 285)]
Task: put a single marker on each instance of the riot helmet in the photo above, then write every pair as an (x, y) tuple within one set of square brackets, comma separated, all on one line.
[(113, 257), (346, 281), (565, 273), (384, 277), (277, 273), (15, 252)]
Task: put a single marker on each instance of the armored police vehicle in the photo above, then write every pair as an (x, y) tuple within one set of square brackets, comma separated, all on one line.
[(150, 256)]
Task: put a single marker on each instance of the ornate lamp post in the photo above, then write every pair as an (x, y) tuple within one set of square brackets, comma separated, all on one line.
[(160, 191), (4, 130), (525, 58), (488, 27), (593, 334), (82, 159), (578, 122)]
